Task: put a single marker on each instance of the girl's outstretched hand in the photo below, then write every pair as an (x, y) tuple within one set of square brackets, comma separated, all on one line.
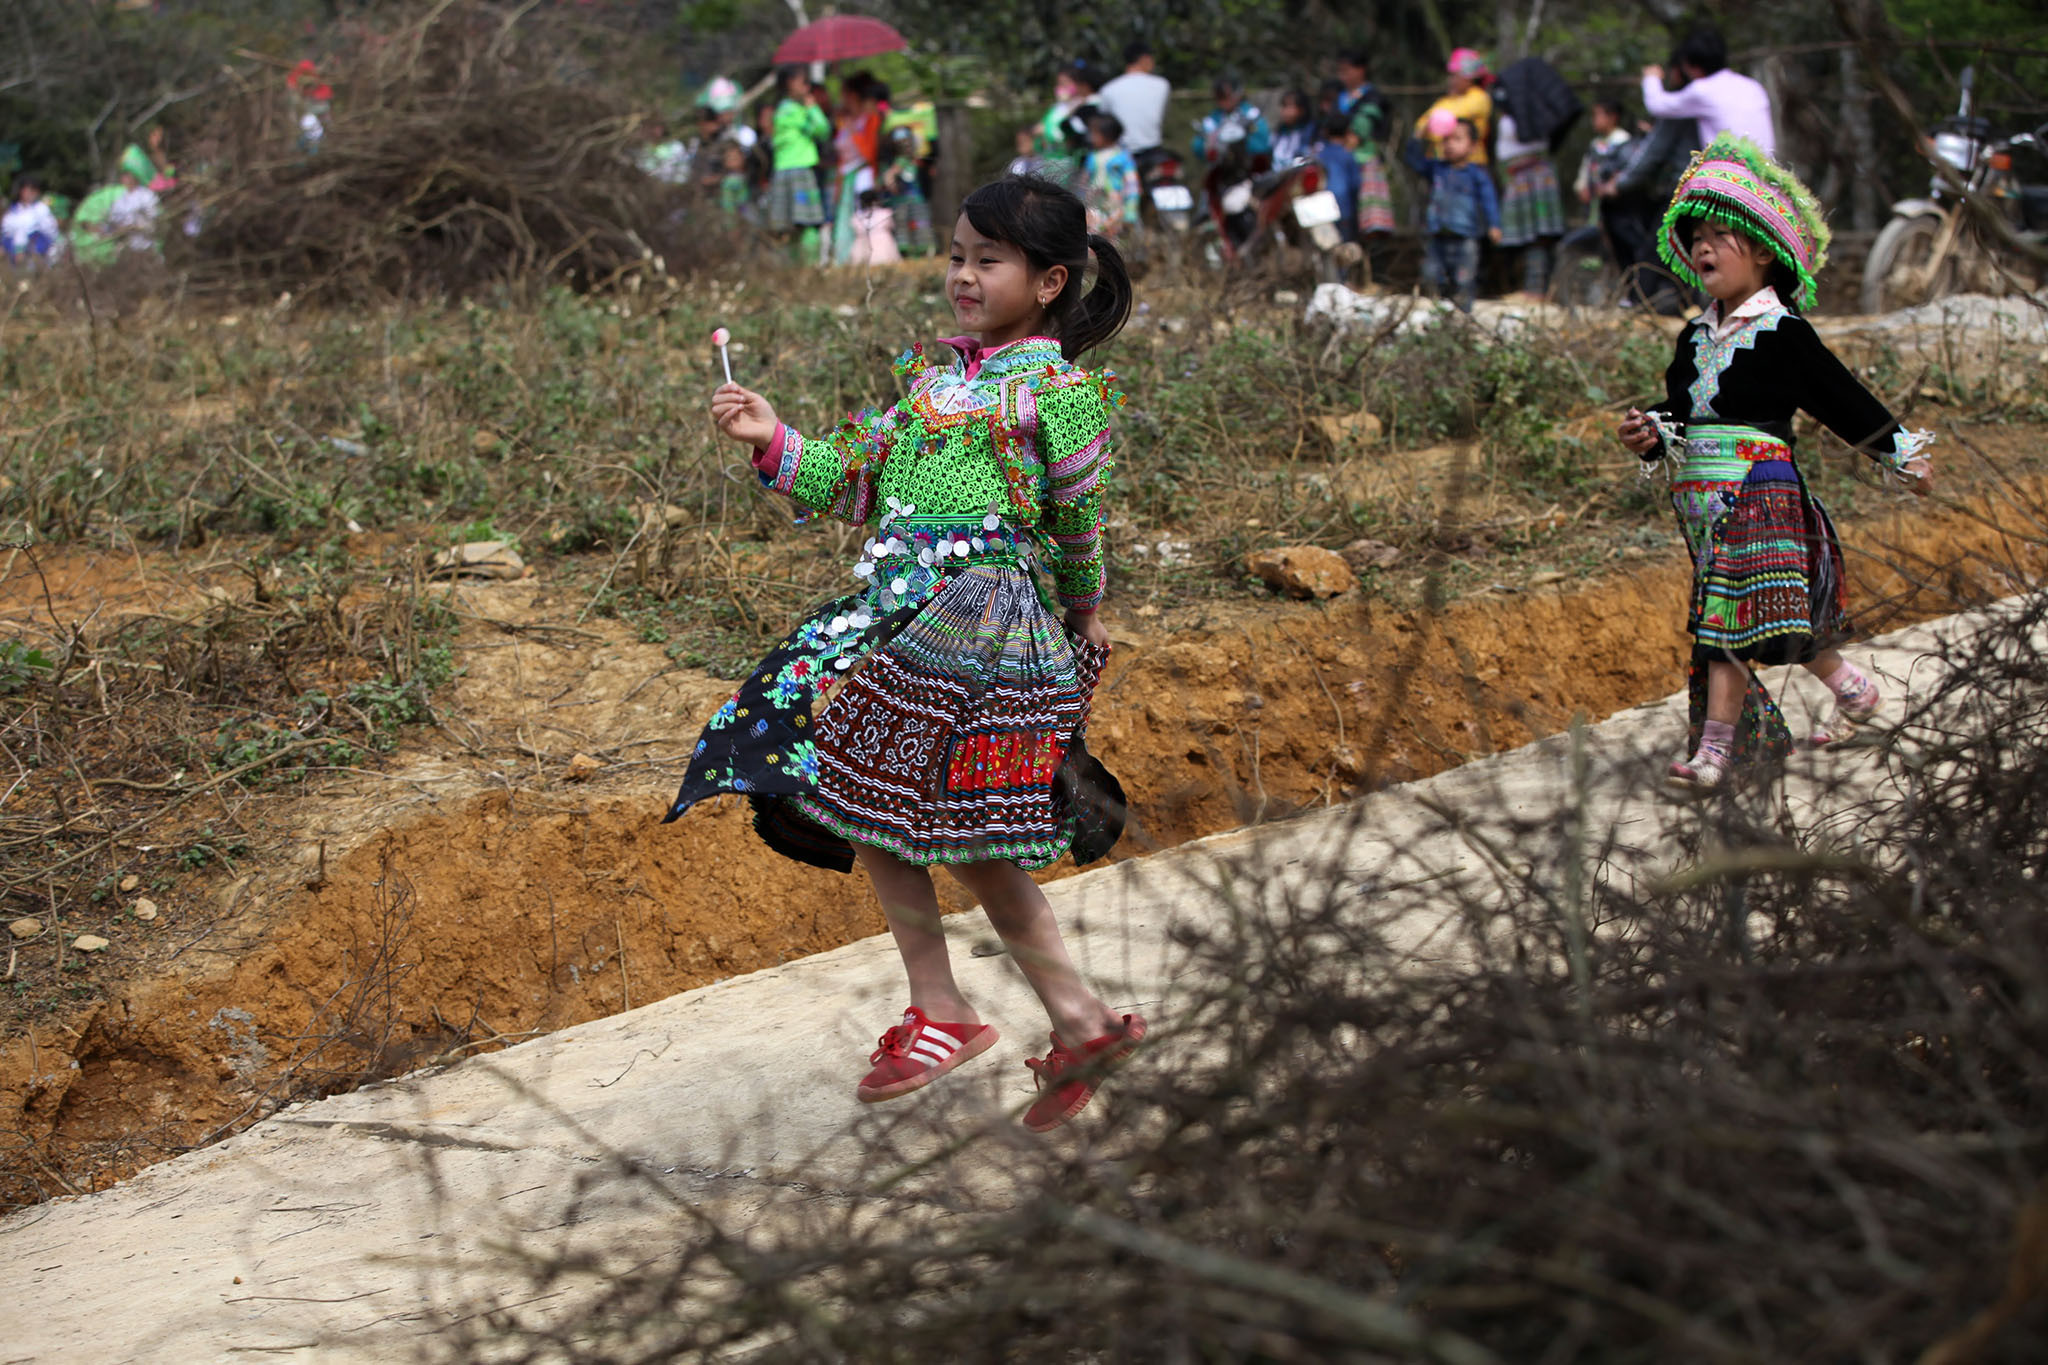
[(744, 415)]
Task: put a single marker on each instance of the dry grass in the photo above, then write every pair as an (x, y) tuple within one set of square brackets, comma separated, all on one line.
[(129, 738)]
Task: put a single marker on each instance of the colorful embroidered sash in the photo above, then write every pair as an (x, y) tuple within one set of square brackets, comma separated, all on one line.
[(1723, 454)]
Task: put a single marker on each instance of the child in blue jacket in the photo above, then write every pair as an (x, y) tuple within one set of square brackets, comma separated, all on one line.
[(1335, 152), (1462, 208)]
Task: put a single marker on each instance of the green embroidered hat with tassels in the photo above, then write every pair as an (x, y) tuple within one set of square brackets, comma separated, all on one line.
[(1732, 182)]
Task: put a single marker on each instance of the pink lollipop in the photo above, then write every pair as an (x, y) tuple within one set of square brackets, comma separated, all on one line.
[(719, 338), (1441, 122)]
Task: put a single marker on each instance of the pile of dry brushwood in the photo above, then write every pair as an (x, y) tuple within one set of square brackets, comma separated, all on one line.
[(467, 149), (1789, 1103)]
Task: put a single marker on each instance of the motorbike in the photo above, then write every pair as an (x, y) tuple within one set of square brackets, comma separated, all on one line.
[(1933, 246), (1166, 203), (1252, 203), (1279, 205), (1585, 275)]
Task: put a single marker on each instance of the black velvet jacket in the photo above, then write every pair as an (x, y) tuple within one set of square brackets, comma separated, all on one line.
[(1764, 374)]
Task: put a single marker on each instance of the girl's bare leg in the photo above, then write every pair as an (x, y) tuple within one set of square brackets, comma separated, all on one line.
[(1726, 682), (1021, 915), (1825, 664), (912, 909)]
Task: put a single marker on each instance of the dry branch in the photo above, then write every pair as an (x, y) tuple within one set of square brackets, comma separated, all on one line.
[(460, 155)]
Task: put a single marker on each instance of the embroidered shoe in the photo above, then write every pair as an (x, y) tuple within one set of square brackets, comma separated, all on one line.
[(1703, 772), (1847, 726), (1067, 1077), (917, 1052)]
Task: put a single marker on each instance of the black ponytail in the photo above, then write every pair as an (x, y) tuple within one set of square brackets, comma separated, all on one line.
[(1048, 223), (1102, 313)]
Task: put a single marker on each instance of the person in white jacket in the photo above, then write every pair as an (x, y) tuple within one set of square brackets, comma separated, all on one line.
[(133, 215), (29, 231)]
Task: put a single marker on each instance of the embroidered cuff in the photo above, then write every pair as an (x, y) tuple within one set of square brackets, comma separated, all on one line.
[(776, 462), (1908, 446), (1670, 436)]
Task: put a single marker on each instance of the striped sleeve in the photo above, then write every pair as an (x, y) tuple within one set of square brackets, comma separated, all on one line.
[(1078, 446)]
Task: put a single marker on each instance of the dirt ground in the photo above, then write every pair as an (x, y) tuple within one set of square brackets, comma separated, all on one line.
[(477, 888)]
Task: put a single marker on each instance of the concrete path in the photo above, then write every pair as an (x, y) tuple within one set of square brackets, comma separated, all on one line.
[(347, 1230)]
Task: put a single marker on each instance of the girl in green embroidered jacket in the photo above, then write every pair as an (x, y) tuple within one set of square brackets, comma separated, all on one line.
[(955, 695)]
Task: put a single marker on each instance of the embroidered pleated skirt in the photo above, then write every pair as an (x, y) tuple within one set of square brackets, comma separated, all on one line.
[(926, 716), (1531, 207), (1768, 586), (1375, 196), (794, 200), (913, 222), (1767, 564)]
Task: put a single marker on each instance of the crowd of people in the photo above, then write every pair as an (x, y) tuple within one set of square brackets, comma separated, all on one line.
[(124, 215), (40, 228), (840, 180), (1483, 153), (840, 175)]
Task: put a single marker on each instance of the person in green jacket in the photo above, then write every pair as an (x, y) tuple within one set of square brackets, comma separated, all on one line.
[(149, 161), (795, 207), (90, 236)]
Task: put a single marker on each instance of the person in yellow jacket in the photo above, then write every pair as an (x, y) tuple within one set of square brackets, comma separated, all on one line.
[(1467, 97)]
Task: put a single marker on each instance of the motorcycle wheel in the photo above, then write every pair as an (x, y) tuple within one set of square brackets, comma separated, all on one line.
[(1582, 273), (1895, 276)]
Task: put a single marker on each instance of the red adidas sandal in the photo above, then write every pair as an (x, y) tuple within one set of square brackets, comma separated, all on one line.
[(1067, 1077), (918, 1051)]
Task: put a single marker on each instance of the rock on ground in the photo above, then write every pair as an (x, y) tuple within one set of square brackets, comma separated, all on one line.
[(1371, 554), (480, 559), (1303, 571)]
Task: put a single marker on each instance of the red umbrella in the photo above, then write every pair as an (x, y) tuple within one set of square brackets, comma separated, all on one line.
[(839, 38)]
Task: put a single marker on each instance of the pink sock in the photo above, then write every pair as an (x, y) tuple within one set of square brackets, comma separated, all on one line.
[(1718, 737), (1851, 685)]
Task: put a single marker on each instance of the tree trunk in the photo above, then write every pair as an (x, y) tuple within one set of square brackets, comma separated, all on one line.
[(952, 172), (1433, 15), (1859, 143), (1505, 32), (1771, 75)]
